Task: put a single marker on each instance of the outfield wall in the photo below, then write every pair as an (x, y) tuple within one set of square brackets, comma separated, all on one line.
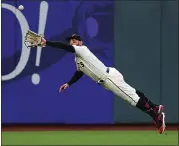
[(139, 38)]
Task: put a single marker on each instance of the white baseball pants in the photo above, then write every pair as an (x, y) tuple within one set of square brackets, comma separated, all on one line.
[(115, 82)]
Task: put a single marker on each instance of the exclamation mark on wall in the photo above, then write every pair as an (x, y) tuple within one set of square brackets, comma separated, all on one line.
[(42, 23)]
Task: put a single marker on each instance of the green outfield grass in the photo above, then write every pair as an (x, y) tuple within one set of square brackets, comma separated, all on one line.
[(90, 138)]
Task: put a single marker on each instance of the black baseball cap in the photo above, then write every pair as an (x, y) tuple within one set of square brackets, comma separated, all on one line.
[(74, 36)]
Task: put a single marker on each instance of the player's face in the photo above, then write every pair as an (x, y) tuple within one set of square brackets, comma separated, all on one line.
[(75, 42)]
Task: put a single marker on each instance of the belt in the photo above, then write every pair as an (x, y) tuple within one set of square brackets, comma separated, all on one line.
[(107, 70), (101, 80)]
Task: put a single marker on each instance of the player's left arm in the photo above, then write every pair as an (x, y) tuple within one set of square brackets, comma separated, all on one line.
[(60, 45), (33, 39)]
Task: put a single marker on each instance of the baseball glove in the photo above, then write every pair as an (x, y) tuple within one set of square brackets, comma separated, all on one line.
[(33, 39)]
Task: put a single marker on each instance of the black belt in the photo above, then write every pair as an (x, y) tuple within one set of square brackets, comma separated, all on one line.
[(107, 70), (101, 81)]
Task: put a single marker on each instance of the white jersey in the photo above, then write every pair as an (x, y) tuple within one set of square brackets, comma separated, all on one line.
[(88, 63)]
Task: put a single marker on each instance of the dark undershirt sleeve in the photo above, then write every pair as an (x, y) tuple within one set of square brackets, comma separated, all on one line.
[(76, 77), (61, 45)]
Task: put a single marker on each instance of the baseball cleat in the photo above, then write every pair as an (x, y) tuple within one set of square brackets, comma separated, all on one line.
[(161, 123), (159, 109)]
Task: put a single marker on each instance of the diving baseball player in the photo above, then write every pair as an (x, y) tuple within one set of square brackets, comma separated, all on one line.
[(108, 77)]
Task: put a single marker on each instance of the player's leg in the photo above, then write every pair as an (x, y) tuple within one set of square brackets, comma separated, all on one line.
[(118, 86), (158, 116), (155, 107)]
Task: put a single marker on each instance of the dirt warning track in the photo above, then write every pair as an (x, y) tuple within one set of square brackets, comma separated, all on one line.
[(42, 127)]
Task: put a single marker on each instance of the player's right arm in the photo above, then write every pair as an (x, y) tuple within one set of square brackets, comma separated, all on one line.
[(75, 78), (60, 45)]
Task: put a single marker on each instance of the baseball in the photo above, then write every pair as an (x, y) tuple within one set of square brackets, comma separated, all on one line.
[(21, 7)]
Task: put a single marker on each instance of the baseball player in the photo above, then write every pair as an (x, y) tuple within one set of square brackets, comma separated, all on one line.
[(108, 77)]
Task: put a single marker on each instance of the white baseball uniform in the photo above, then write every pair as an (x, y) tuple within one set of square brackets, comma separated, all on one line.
[(113, 80)]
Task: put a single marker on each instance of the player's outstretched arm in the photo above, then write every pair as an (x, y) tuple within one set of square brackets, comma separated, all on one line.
[(75, 78), (33, 39), (60, 45)]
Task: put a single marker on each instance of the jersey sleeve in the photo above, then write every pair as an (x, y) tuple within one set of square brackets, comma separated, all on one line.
[(79, 50)]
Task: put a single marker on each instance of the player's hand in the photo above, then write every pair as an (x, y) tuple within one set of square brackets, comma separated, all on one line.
[(33, 39), (43, 41), (63, 87)]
